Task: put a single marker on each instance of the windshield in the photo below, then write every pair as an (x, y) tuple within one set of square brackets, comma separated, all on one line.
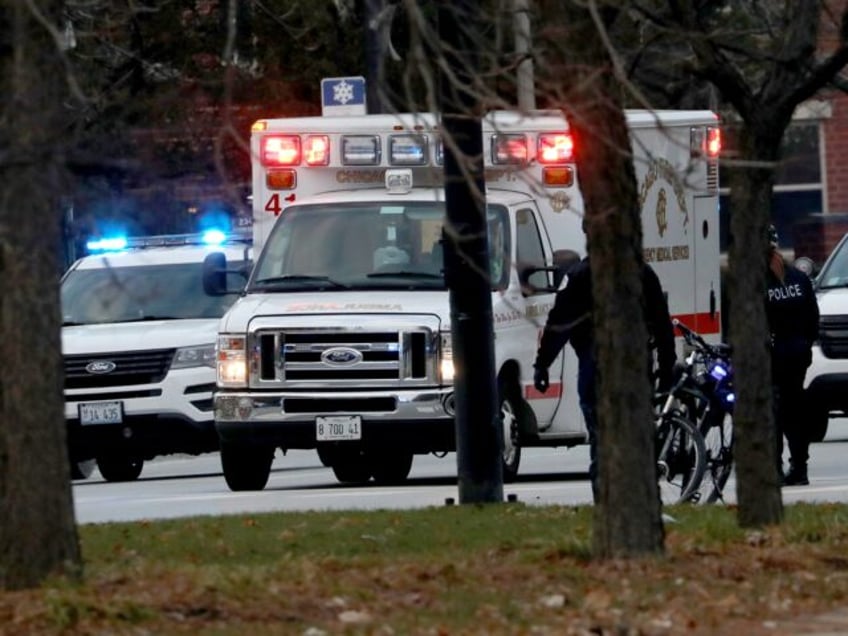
[(149, 292), (366, 246), (835, 271)]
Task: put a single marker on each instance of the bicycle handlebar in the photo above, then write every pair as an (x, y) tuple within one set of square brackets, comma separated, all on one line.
[(694, 338)]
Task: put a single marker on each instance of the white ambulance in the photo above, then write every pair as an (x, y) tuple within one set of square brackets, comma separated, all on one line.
[(342, 339)]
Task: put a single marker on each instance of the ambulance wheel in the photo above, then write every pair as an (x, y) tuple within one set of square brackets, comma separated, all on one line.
[(817, 424), (351, 466), (509, 410), (391, 467), (82, 469), (120, 467), (246, 466)]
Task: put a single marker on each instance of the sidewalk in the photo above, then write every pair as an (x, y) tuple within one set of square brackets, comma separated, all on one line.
[(833, 623)]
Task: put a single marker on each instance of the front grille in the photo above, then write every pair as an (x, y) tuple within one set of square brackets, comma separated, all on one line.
[(338, 357), (114, 395), (833, 335), (136, 367), (339, 405)]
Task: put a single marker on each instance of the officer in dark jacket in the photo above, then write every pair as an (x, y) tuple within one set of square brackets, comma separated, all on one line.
[(570, 320), (793, 318)]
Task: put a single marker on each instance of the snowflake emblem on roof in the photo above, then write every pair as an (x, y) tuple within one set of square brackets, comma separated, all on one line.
[(342, 92)]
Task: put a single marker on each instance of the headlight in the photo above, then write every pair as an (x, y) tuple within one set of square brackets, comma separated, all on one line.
[(190, 357), (231, 358), (445, 357)]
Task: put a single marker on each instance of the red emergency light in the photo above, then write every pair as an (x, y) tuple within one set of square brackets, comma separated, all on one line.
[(555, 148), (509, 149), (712, 146), (316, 150), (279, 150)]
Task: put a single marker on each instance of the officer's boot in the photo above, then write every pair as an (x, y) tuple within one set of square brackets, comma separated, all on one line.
[(797, 475)]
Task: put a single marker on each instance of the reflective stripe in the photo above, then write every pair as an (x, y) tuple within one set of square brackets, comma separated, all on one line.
[(554, 391)]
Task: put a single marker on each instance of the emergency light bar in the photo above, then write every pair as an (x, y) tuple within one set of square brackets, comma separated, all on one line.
[(113, 244), (280, 151), (209, 237)]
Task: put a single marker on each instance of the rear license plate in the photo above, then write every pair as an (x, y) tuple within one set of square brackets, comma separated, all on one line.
[(101, 413), (338, 427)]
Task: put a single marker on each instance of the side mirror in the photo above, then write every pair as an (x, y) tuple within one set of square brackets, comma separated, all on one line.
[(564, 260), (525, 273), (215, 274)]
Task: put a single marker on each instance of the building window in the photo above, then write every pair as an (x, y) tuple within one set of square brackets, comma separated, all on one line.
[(799, 187)]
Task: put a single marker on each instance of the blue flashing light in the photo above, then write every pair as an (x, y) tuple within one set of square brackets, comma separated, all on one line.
[(718, 372), (214, 237), (112, 244)]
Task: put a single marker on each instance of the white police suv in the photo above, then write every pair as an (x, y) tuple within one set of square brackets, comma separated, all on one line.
[(827, 377), (138, 342)]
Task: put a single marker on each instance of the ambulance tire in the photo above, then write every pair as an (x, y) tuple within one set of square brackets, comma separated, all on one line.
[(120, 467), (509, 411), (246, 466), (391, 467), (326, 454), (82, 469), (351, 466)]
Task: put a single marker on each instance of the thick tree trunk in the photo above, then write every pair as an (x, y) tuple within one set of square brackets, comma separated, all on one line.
[(757, 490), (37, 527), (628, 519)]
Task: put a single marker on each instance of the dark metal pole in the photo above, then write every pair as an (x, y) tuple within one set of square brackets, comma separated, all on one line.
[(375, 48), (479, 436)]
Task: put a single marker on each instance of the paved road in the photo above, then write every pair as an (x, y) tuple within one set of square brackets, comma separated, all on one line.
[(187, 486)]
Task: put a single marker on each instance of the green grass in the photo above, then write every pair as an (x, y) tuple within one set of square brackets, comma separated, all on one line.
[(494, 569)]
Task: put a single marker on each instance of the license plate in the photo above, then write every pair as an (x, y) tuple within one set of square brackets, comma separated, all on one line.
[(101, 413), (338, 427)]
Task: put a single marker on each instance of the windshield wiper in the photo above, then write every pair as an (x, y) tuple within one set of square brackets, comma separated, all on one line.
[(147, 318), (300, 278), (406, 274)]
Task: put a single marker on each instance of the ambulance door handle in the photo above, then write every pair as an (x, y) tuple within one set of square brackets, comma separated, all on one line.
[(712, 304)]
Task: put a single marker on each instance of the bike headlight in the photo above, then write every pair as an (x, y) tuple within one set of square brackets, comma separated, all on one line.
[(190, 357), (446, 370), (231, 361)]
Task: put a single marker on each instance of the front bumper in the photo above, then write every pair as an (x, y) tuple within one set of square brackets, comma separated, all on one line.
[(826, 382), (421, 421), (172, 416)]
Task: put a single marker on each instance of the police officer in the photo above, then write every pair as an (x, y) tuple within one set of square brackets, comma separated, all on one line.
[(570, 320), (793, 319)]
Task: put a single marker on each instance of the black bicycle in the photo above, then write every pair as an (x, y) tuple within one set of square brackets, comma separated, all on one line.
[(704, 396)]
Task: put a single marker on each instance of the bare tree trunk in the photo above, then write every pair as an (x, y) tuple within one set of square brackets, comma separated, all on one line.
[(757, 491), (628, 519), (37, 533)]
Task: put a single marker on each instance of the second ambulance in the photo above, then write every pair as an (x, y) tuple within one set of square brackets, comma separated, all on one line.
[(341, 341)]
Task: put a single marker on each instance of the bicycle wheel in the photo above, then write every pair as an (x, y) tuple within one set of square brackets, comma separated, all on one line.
[(681, 459), (718, 441)]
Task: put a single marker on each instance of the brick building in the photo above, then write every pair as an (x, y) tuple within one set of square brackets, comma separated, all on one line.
[(811, 192)]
